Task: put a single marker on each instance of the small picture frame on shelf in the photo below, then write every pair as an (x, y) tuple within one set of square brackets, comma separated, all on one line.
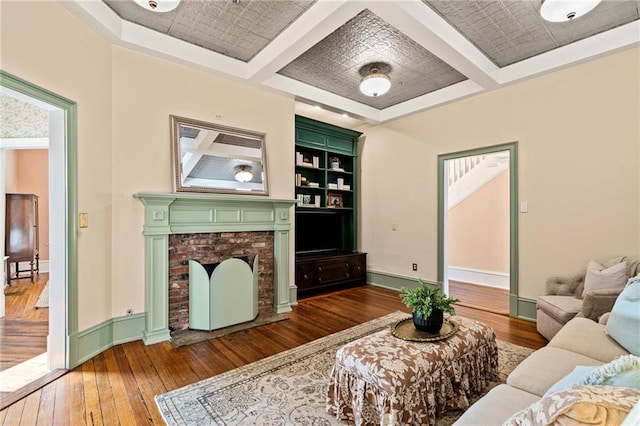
[(306, 200), (334, 201)]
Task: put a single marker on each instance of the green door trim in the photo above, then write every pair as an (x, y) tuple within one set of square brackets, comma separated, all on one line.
[(71, 170), (512, 147)]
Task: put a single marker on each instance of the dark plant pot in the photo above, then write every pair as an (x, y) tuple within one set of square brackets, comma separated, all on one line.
[(431, 324)]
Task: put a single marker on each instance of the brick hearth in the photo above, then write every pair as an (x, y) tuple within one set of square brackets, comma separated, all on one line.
[(214, 248)]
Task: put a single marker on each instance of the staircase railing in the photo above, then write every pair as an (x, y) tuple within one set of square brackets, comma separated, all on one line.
[(463, 165)]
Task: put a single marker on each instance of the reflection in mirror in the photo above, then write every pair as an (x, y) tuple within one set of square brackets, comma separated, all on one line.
[(212, 158)]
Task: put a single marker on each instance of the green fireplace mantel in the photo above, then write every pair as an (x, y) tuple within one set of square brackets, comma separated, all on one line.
[(178, 213)]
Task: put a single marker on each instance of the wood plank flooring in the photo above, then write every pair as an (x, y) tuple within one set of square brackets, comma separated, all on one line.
[(118, 385), (480, 297), (23, 329)]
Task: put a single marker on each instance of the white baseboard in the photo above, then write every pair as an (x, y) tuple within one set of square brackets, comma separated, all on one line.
[(474, 276)]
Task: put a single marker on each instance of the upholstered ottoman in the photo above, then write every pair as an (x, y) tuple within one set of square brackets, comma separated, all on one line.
[(381, 379)]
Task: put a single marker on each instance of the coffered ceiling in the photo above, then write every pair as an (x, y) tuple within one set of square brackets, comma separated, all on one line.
[(437, 50)]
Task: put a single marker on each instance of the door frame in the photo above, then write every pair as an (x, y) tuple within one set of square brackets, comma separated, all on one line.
[(63, 322), (512, 147)]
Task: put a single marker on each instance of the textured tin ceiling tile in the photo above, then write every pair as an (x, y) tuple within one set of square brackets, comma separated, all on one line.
[(333, 64), (509, 31), (239, 30)]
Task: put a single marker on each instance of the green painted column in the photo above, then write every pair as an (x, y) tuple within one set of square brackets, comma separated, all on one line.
[(156, 246)]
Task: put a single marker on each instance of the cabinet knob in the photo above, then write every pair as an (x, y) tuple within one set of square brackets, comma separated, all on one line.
[(319, 268), (320, 279), (306, 277)]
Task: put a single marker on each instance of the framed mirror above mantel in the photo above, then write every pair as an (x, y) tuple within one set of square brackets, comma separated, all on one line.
[(213, 158)]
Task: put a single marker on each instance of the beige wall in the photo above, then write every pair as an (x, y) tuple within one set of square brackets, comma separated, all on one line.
[(30, 175), (578, 138), (145, 92), (478, 228)]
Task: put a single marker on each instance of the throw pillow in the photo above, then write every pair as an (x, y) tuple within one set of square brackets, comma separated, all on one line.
[(598, 277), (623, 325), (576, 377), (623, 371), (586, 404)]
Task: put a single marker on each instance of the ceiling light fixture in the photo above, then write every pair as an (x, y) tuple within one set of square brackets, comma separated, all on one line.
[(243, 174), (375, 82), (158, 5), (566, 10)]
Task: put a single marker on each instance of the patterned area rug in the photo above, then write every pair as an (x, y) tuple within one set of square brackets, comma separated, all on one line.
[(43, 300), (288, 388)]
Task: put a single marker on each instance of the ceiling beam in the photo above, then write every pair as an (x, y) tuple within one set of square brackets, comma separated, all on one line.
[(320, 20), (623, 37), (322, 97), (420, 23)]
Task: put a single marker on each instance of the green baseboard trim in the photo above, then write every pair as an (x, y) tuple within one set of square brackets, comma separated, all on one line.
[(526, 309), (95, 340), (128, 328), (394, 281)]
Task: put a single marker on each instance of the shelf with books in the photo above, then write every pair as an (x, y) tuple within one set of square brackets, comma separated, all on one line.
[(326, 187)]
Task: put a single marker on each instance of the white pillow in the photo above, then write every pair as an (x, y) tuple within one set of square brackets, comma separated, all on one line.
[(624, 322), (599, 278)]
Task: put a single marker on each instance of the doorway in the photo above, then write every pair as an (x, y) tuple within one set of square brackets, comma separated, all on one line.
[(477, 227), (62, 142)]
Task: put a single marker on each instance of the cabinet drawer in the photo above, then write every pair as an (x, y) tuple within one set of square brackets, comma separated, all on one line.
[(331, 271), (304, 275), (359, 267)]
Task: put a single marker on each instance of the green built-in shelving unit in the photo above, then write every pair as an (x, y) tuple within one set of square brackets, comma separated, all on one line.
[(326, 174)]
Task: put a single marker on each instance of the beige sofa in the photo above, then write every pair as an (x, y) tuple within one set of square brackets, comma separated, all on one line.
[(580, 342)]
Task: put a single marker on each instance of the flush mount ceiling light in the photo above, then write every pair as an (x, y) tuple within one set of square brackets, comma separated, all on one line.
[(158, 5), (243, 174), (375, 80), (566, 10)]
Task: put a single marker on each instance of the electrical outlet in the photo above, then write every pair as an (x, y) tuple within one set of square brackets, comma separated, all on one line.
[(129, 312), (415, 266)]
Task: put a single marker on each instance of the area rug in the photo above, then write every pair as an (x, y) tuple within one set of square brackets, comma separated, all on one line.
[(43, 300), (288, 388)]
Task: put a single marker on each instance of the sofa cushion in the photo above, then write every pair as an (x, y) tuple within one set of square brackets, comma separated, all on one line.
[(496, 406), (624, 322), (588, 338), (543, 368), (581, 405), (562, 308), (599, 277)]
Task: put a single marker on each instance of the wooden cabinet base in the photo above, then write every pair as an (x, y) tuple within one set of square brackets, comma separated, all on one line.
[(320, 273)]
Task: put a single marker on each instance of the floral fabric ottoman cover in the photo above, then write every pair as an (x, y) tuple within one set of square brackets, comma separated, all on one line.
[(381, 379)]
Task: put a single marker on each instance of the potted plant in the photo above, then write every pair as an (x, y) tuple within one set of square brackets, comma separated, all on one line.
[(428, 304)]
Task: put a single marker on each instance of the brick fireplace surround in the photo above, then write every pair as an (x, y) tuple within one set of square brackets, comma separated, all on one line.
[(217, 227), (214, 248)]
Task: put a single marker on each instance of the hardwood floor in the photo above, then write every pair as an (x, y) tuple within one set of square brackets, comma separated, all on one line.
[(480, 297), (118, 386), (23, 329)]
